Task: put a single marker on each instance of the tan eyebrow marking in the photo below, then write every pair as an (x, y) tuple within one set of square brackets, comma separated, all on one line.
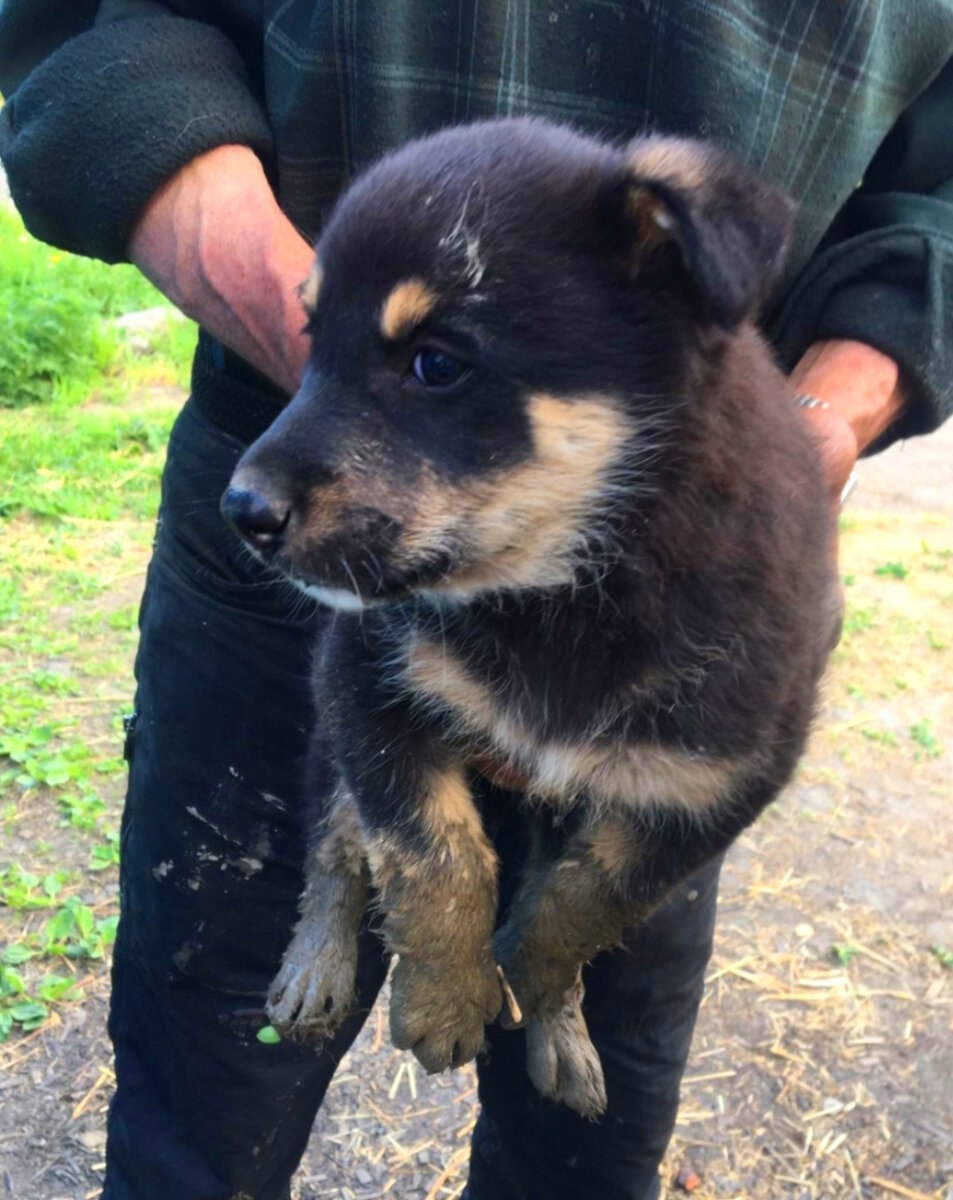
[(308, 291), (668, 160), (406, 306)]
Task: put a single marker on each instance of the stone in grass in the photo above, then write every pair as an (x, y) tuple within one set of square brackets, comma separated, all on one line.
[(140, 328)]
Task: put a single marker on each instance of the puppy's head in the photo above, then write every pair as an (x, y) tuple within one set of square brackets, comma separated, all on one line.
[(502, 317)]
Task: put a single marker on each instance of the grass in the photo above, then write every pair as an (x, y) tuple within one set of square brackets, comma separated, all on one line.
[(55, 311), (81, 467), (65, 374)]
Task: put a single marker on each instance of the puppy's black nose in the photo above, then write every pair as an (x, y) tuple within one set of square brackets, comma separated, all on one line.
[(259, 520)]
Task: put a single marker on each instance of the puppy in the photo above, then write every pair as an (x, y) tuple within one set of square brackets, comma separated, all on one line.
[(544, 468)]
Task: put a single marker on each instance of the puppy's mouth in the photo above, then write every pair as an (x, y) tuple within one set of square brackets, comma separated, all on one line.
[(359, 563), (359, 580), (353, 569)]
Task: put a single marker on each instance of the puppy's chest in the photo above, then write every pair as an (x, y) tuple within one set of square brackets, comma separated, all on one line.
[(595, 758)]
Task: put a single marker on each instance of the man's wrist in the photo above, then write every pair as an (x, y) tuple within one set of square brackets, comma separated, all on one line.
[(214, 240), (858, 384)]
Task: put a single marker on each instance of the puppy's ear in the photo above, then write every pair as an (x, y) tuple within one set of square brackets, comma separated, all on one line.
[(730, 227)]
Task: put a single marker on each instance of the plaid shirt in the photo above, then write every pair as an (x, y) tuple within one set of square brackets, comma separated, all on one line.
[(806, 91)]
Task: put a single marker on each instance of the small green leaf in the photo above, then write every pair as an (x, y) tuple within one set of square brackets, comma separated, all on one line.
[(11, 982), (106, 928), (85, 921), (29, 1010), (269, 1035), (60, 926), (15, 954), (52, 884), (843, 953), (55, 987)]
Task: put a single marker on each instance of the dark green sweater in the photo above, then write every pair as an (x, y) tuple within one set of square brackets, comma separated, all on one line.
[(848, 104)]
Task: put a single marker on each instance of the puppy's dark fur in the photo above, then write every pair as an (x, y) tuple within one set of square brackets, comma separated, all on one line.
[(599, 555)]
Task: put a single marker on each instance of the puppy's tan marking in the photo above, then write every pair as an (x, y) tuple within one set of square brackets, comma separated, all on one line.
[(328, 510), (613, 846), (342, 846), (406, 306), (525, 525), (669, 161), (441, 676), (640, 775), (454, 823), (458, 839), (389, 860), (309, 290)]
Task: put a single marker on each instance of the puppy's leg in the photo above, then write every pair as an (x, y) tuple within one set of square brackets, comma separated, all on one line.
[(314, 989), (613, 874), (561, 1060), (566, 910), (437, 876)]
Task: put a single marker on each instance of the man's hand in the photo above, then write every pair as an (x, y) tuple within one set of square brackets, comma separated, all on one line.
[(214, 240), (863, 395)]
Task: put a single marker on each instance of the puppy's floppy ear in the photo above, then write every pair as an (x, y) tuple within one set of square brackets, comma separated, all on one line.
[(730, 227)]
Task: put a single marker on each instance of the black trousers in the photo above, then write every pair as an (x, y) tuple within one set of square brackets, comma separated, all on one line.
[(211, 873)]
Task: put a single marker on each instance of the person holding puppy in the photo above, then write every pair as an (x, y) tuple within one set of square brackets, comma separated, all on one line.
[(206, 144)]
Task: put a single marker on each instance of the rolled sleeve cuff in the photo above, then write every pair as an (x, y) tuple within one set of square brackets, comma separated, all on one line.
[(100, 125), (893, 290)]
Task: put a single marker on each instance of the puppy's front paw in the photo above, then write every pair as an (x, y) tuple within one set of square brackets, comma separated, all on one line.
[(440, 1014), (562, 1062), (314, 990)]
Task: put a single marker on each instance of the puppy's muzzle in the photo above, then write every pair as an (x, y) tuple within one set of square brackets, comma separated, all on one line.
[(259, 519)]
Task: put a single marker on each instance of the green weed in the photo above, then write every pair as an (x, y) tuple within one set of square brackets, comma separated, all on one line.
[(924, 735), (75, 932), (39, 759), (883, 737), (106, 854), (55, 312), (857, 620), (843, 953), (22, 889), (892, 570)]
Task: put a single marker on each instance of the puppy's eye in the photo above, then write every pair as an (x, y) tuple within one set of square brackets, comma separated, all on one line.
[(435, 369)]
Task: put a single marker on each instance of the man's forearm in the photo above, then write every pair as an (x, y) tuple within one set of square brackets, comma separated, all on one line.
[(214, 241)]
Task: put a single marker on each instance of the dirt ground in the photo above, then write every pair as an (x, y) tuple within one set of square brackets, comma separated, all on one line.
[(823, 1060)]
